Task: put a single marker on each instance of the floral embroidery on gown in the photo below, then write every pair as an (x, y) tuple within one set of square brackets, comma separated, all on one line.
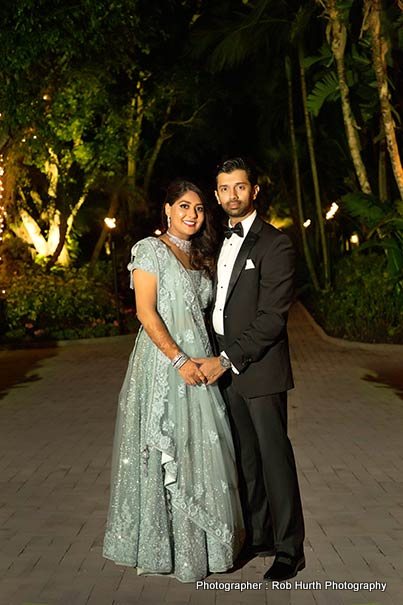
[(174, 505)]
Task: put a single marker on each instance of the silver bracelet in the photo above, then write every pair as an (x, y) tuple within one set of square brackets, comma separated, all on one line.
[(179, 360), (176, 359)]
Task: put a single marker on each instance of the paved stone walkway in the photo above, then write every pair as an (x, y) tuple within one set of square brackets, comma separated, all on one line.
[(56, 430)]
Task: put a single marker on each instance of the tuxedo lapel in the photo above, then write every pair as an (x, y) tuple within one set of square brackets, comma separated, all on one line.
[(243, 254)]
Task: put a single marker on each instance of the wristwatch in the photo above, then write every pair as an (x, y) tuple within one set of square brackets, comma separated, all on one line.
[(225, 362)]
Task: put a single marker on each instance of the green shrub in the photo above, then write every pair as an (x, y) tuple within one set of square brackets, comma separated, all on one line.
[(365, 304), (63, 304)]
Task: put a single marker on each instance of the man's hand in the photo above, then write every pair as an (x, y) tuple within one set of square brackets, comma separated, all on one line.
[(210, 367), (192, 374)]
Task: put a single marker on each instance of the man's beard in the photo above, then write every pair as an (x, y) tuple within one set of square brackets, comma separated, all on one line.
[(241, 211)]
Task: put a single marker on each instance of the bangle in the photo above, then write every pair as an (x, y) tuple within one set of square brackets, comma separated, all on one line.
[(176, 358), (182, 362), (179, 360)]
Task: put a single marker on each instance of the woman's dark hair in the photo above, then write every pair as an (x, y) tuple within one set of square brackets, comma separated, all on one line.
[(203, 252), (239, 164)]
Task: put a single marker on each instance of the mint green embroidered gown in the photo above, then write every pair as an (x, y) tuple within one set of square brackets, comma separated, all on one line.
[(174, 505)]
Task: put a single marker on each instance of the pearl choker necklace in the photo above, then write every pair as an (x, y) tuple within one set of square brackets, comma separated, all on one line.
[(182, 244)]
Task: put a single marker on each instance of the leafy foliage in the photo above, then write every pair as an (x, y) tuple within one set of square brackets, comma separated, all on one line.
[(88, 96), (365, 207), (64, 304), (326, 89), (364, 304), (382, 223), (70, 76)]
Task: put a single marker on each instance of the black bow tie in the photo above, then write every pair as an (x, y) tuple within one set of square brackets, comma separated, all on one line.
[(238, 229)]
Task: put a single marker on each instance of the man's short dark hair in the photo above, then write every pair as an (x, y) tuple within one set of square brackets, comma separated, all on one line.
[(238, 164)]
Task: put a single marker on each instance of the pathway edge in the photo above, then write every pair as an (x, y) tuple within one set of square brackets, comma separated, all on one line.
[(348, 344)]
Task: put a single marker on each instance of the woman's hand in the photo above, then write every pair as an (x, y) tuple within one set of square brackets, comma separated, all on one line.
[(211, 368), (191, 373)]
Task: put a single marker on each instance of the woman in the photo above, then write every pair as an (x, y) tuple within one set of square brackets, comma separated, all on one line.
[(174, 505)]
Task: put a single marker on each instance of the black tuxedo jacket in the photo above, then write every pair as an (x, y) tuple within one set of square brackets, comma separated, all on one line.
[(256, 311)]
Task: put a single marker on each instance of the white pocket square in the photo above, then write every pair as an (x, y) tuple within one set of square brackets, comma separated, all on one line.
[(249, 264)]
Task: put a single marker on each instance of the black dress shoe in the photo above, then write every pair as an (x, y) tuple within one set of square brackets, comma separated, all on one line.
[(285, 567)]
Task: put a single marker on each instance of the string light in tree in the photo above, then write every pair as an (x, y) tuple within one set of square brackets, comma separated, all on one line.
[(3, 213), (2, 209)]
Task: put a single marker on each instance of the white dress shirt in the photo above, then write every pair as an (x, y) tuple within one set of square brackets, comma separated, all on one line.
[(226, 260)]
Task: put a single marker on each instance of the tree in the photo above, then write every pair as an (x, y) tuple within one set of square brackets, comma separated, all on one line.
[(337, 38), (297, 177), (56, 161), (314, 168), (380, 48), (245, 37), (80, 106)]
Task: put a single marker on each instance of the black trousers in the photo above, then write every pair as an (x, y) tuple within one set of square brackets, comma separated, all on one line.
[(266, 467)]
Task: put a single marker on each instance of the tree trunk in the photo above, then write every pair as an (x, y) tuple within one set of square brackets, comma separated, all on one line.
[(60, 225), (74, 212), (338, 44), (152, 160), (134, 127), (113, 209), (298, 192), (53, 239), (60, 228), (382, 170), (62, 239), (314, 170), (31, 232), (372, 21), (162, 137)]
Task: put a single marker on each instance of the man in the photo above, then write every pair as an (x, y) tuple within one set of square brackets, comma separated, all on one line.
[(254, 290)]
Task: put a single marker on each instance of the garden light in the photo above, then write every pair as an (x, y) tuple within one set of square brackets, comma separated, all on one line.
[(307, 223), (158, 232), (332, 211), (110, 222), (354, 239), (110, 249)]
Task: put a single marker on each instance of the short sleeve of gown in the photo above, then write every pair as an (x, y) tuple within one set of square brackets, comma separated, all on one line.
[(142, 257)]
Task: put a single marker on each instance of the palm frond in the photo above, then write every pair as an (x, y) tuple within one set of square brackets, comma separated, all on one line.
[(344, 7), (392, 250), (399, 207), (325, 56), (365, 207), (244, 40), (301, 21), (325, 89), (230, 43), (360, 57)]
